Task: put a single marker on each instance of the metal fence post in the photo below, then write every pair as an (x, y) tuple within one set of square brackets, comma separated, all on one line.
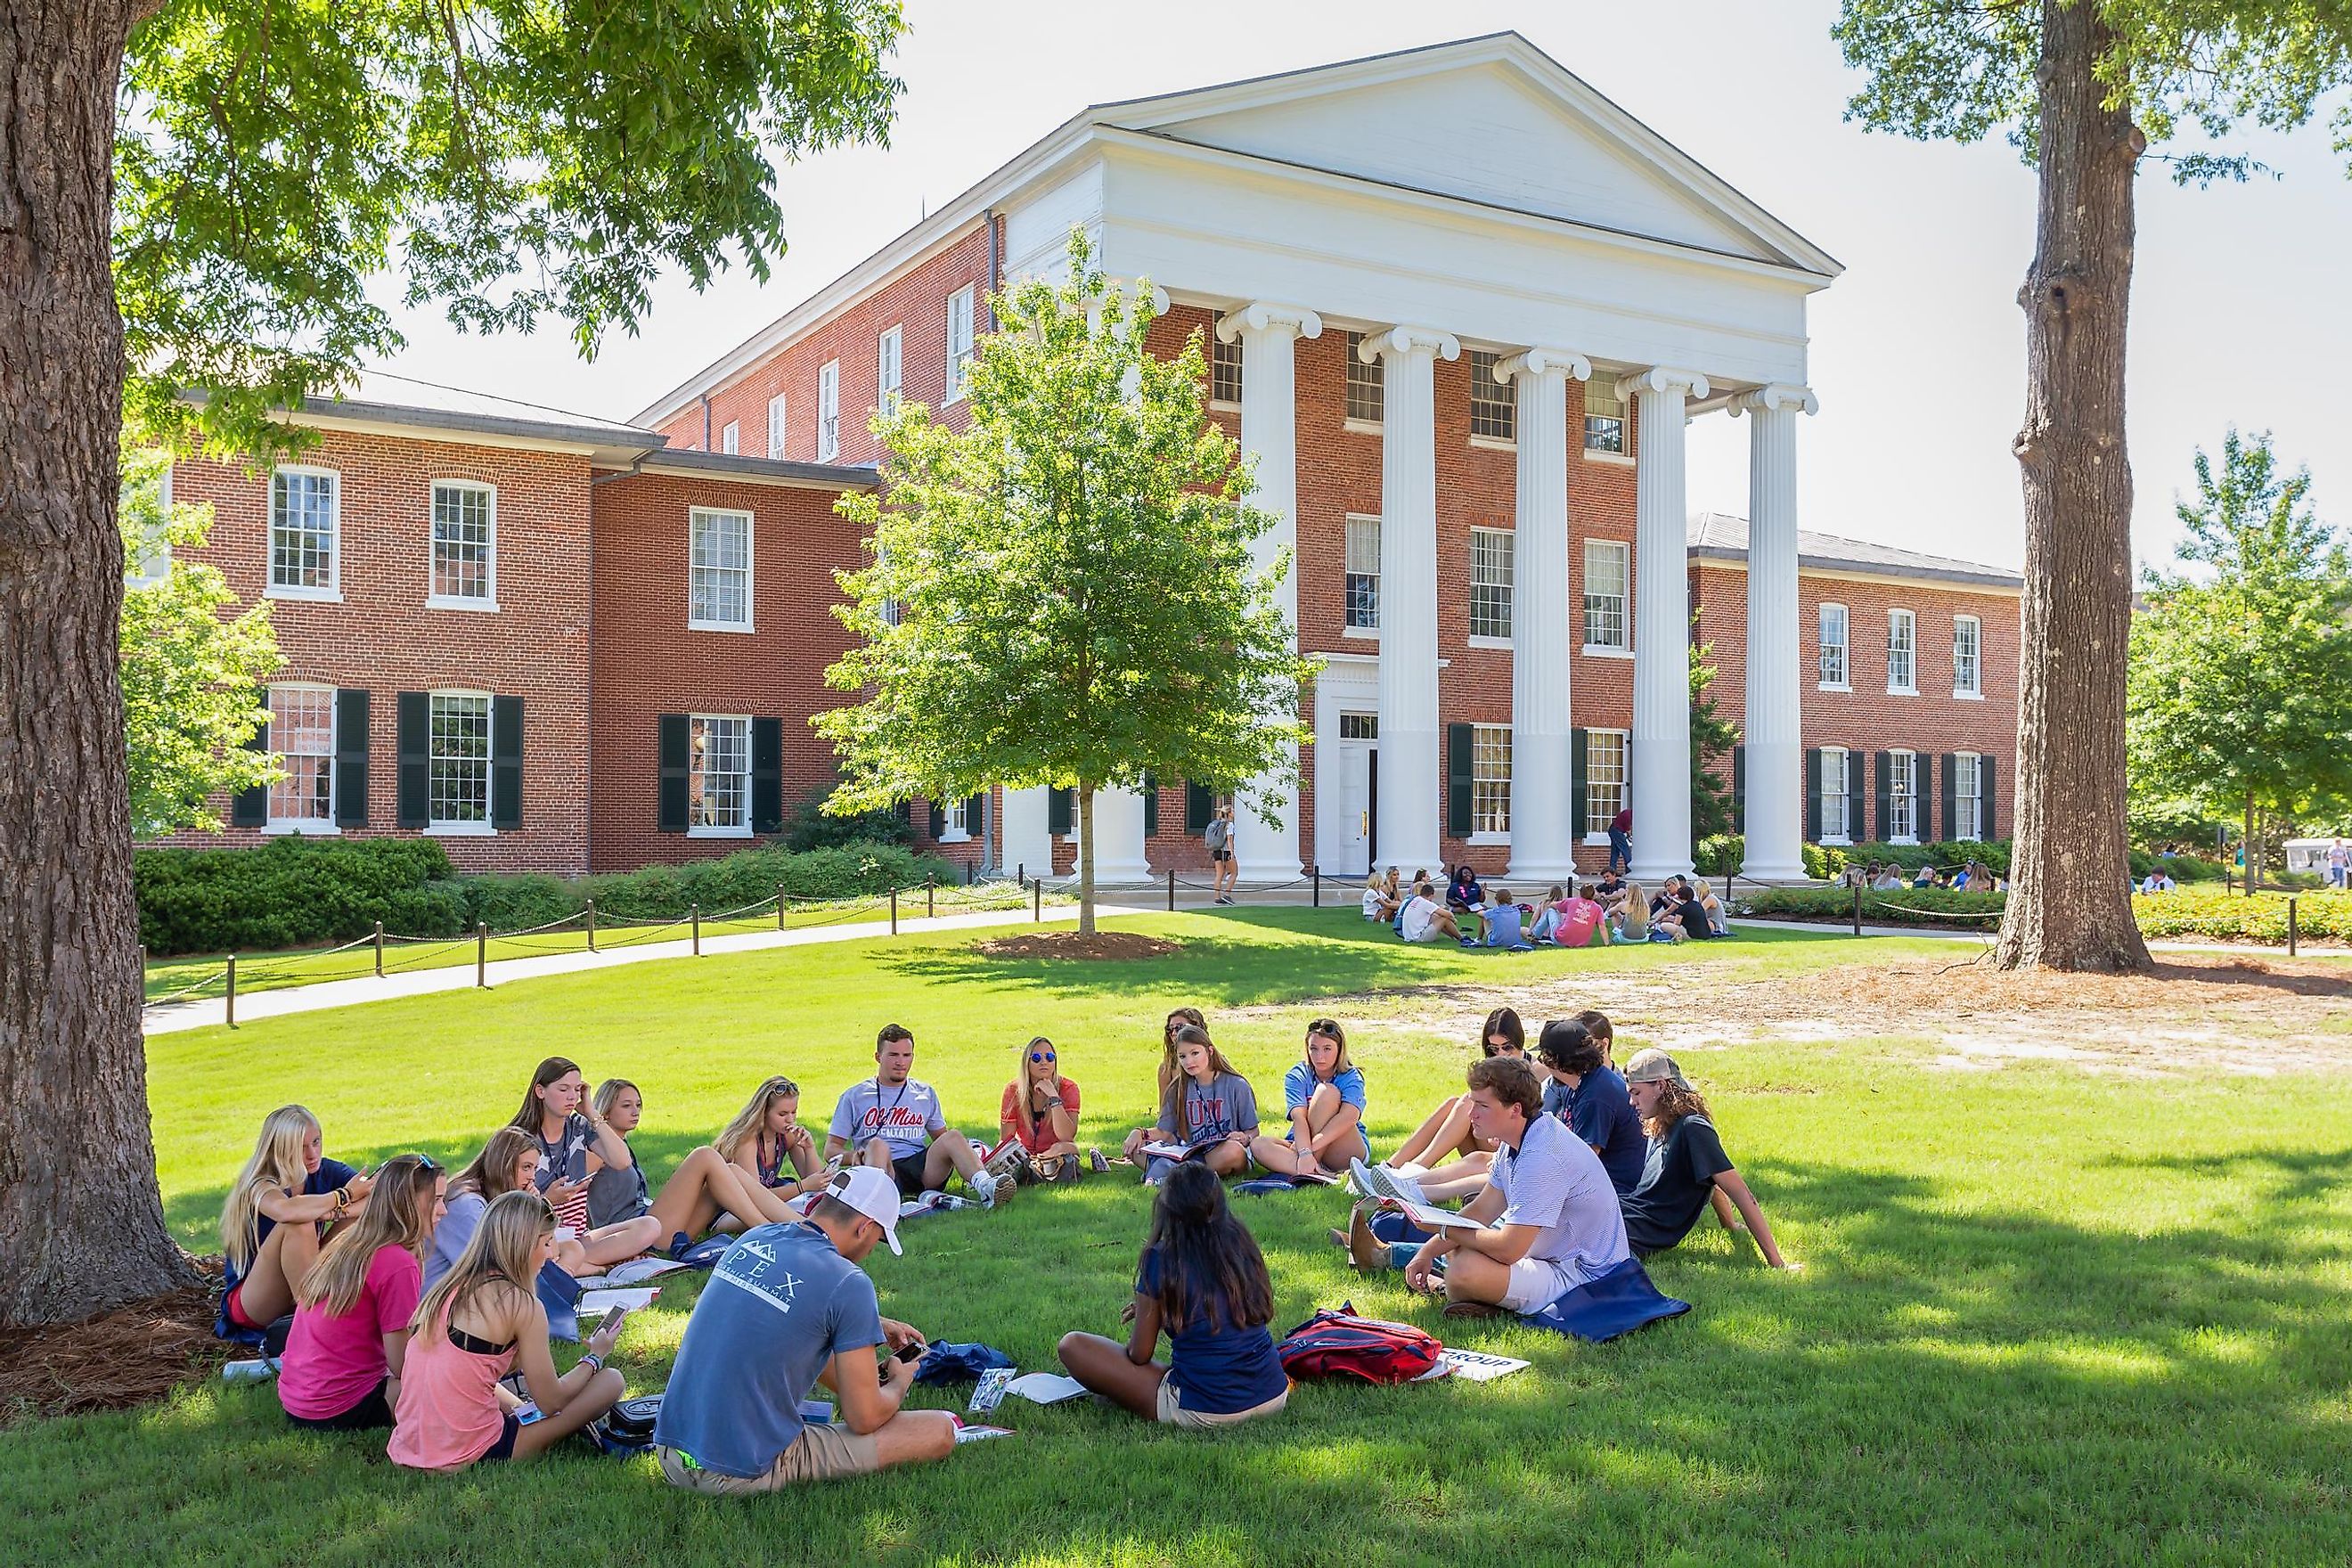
[(379, 950), (482, 953), (694, 913), (894, 909), (1857, 908), (230, 997), (1038, 899), (930, 895), (780, 906), (1171, 890), (2290, 927), (1021, 875), (592, 925), (1316, 872)]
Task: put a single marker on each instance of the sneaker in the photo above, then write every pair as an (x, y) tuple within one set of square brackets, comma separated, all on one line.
[(984, 1187), (1095, 1163)]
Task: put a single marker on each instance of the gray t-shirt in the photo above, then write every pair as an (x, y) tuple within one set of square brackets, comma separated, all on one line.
[(616, 1194), (1202, 1114), (1556, 1183), (907, 1117)]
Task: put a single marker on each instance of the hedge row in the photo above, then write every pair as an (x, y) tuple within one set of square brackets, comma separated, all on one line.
[(297, 892), (2200, 912), (1889, 908)]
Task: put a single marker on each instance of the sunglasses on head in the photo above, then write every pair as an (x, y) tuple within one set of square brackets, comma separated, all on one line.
[(426, 1164), (1041, 1055)]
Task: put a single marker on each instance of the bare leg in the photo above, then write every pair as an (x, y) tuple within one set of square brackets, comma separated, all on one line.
[(268, 1291), (1430, 1138), (1456, 1181), (603, 1390), (877, 1153), (1102, 1365), (914, 1437), (619, 1243), (697, 1192), (950, 1150), (1277, 1154), (1474, 1276), (1225, 1158)]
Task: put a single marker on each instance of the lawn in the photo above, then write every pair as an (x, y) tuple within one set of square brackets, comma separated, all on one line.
[(2046, 1313)]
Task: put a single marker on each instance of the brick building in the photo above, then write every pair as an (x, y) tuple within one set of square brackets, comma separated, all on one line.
[(1458, 306)]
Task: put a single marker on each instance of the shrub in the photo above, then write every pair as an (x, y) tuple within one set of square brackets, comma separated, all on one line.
[(808, 827), (1877, 909), (1950, 857), (2233, 917), (292, 892), (1720, 854), (518, 903), (1823, 862)]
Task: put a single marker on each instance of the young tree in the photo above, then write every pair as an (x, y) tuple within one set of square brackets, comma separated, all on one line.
[(216, 184), (1712, 739), (2080, 87), (1061, 593), (2241, 696), (189, 671)]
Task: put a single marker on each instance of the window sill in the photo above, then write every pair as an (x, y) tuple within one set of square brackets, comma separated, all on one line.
[(745, 627), (1506, 644), (955, 835), (443, 602), (1221, 406), (459, 830), (743, 832), (1904, 839), (1836, 840), (1596, 840), (1494, 443), (1478, 839), (1618, 459), (1593, 651), (1362, 634), (1364, 426), (1835, 686), (952, 399), (302, 829), (313, 595), (1968, 696), (1902, 692)]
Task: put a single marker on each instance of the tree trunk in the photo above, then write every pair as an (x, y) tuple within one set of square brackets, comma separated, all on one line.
[(79, 1203), (2069, 903), (1086, 860)]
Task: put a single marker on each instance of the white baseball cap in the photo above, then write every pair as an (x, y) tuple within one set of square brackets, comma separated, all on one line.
[(873, 1193)]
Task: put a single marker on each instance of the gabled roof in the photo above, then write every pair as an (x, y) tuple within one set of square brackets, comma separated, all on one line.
[(1717, 536)]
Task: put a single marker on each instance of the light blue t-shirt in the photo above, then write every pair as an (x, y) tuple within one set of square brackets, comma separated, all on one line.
[(907, 1118), (449, 1237), (1299, 1087), (781, 1305)]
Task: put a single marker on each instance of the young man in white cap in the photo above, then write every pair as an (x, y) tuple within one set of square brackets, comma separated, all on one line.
[(788, 1307), (893, 1123)]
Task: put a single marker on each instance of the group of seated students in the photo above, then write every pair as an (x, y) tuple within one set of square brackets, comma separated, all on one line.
[(1886, 876), (421, 1312), (1605, 910)]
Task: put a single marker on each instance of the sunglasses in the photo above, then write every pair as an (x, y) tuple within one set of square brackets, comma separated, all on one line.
[(1041, 1055), (426, 1164)]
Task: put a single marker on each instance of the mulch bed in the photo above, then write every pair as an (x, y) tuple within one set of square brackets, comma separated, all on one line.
[(132, 1356), (1070, 944)]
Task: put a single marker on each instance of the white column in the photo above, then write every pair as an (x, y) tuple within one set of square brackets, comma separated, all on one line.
[(1411, 749), (1543, 840), (1268, 336), (1118, 837), (1774, 731), (1021, 832), (1661, 749)]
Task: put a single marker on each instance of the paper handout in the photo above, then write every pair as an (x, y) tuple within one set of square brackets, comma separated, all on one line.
[(595, 1303), (1475, 1367), (1046, 1387)]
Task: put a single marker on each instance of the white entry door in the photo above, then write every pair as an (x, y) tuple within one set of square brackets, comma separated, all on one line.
[(1351, 756)]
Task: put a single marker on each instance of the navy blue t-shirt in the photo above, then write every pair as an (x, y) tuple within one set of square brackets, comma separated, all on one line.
[(1216, 1369), (1600, 1113), (1677, 1181), (331, 1177)]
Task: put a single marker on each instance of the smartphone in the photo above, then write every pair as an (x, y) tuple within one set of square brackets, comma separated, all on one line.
[(912, 1352)]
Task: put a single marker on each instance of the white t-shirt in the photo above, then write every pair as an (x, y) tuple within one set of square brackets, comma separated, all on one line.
[(1373, 899), (1420, 917), (1556, 1184)]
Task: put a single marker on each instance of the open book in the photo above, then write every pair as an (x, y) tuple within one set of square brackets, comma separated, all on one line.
[(1379, 1181), (1166, 1148)]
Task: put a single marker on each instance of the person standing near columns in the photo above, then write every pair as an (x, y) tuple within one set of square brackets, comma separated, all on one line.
[(1660, 791), (1226, 865)]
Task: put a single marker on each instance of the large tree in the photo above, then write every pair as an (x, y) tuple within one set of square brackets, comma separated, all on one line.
[(217, 181), (2240, 695), (2082, 87), (1061, 593)]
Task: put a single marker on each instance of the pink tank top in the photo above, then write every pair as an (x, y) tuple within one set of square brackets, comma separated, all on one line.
[(449, 1414)]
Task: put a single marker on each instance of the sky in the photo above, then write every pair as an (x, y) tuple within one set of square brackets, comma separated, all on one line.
[(2240, 311)]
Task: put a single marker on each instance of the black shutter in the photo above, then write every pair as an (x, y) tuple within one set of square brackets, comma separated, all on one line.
[(250, 808), (671, 743), (934, 819), (975, 816), (767, 776), (1150, 807), (1812, 795), (1200, 807), (1857, 797), (1985, 790), (1457, 781), (413, 758), (1738, 789), (1884, 821), (1951, 805), (1576, 788), (351, 758), (1059, 811), (506, 763)]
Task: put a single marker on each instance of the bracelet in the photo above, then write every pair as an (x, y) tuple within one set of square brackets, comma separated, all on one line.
[(596, 1356)]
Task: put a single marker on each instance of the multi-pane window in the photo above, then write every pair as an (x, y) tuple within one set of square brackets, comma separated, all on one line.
[(959, 341), (1360, 726), (1490, 582), (1364, 573), (302, 735), (776, 425), (1902, 651), (828, 411), (1901, 796), (1836, 828), (1608, 571), (719, 569), (1490, 778), (302, 516), (458, 776), (1605, 778), (1224, 369), (1494, 411), (1967, 663), (1968, 796), (953, 828), (885, 369), (464, 564), (1364, 384), (1833, 645), (730, 437), (719, 775), (1604, 416)]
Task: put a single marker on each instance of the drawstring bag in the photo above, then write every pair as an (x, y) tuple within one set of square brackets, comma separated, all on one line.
[(945, 1363), (1339, 1344)]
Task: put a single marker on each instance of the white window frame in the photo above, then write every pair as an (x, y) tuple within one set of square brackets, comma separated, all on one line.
[(694, 516), (889, 368), (696, 773), (777, 430), (960, 344), (1844, 833), (1967, 796), (1490, 770), (1369, 379), (1502, 556), (489, 602), (307, 827), (152, 563), (1971, 690), (1622, 452), (953, 828), (1843, 680), (828, 411), (332, 593), (1908, 623), (1622, 649), (1226, 356), (1496, 402), (730, 437), (1623, 784), (438, 828), (1373, 632), (1904, 766)]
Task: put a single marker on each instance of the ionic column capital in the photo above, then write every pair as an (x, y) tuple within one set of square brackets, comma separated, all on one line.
[(1779, 395), (1263, 316), (1543, 362), (1662, 378), (1404, 340)]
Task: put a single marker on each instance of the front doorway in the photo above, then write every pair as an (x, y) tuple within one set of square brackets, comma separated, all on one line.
[(1355, 785)]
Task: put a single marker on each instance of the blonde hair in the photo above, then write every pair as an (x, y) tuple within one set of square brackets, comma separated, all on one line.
[(1637, 908), (276, 1166), (399, 1213), (503, 1251), (752, 1119), (609, 1091), (491, 1172)]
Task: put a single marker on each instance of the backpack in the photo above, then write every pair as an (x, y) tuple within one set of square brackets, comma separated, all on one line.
[(1337, 1343)]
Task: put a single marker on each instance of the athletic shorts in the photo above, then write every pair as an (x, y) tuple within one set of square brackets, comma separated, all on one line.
[(1536, 1283), (1221, 856), (822, 1452), (908, 1170), (504, 1447), (371, 1414), (1174, 1414)]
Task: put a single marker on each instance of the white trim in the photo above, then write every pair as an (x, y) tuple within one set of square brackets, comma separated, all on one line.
[(1593, 651), (1845, 644), (779, 426), (1967, 693), (1362, 634), (458, 830), (1960, 696), (1833, 686), (731, 438), (433, 601), (332, 593), (953, 387), (1890, 578), (1911, 687), (486, 827), (1917, 796), (306, 827), (693, 831), (888, 392), (1615, 459), (749, 622), (1494, 443), (1505, 644), (300, 827), (1478, 839), (1363, 427), (704, 830), (828, 409)]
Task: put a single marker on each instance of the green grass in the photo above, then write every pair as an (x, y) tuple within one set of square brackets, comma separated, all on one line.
[(2046, 1314)]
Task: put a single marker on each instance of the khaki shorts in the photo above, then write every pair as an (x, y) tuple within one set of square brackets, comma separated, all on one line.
[(821, 1453), (1173, 1415)]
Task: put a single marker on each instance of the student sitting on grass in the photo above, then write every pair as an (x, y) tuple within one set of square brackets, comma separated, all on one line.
[(573, 1141), (1504, 924), (1567, 919), (269, 1227), (1446, 1130), (1381, 898), (1210, 1109), (1177, 1018), (1423, 918), (475, 1326), (797, 1310), (1039, 1115), (1587, 1093), (1324, 1097), (1203, 1282), (893, 1123), (771, 1155), (1463, 895), (703, 1188), (1685, 1169), (342, 1367), (1629, 920), (509, 1163)]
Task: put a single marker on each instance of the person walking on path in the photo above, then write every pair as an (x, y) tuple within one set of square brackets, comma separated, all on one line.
[(1221, 853), (1620, 840)]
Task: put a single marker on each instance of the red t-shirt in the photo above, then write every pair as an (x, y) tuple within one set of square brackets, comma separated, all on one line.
[(1013, 1116), (334, 1362)]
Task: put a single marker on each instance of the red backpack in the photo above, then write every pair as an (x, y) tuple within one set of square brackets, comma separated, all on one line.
[(1341, 1344)]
